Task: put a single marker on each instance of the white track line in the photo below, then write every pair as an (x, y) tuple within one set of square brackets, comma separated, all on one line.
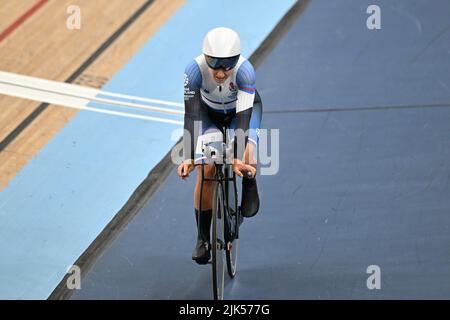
[(75, 89), (101, 100), (75, 96), (70, 102), (135, 98)]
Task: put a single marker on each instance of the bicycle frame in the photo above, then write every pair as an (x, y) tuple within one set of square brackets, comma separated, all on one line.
[(222, 176), (224, 242)]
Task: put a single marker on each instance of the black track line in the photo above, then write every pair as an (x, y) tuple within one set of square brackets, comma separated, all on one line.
[(158, 175), (368, 108)]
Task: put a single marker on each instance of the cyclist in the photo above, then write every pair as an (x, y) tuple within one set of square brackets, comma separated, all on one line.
[(219, 88)]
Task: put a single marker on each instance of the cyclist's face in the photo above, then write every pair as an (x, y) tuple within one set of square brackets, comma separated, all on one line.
[(220, 75)]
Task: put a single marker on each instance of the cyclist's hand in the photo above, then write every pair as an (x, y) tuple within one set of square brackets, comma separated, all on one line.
[(185, 168), (241, 169)]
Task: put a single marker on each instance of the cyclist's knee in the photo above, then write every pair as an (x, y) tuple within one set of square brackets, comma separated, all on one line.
[(209, 170)]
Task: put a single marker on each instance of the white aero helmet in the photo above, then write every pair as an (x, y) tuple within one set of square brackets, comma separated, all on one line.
[(222, 48)]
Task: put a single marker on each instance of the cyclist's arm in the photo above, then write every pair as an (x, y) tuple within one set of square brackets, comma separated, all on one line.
[(246, 96), (192, 84)]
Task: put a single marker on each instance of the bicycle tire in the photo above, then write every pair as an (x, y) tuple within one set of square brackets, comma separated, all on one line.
[(218, 243), (230, 227)]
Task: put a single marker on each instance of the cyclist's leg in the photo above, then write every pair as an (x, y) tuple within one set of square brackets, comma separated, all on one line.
[(208, 187), (201, 253), (210, 132)]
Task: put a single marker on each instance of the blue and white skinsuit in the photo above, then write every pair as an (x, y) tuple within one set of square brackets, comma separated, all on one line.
[(234, 102)]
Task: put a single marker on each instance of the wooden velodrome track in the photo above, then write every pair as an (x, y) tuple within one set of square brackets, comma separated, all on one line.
[(35, 41)]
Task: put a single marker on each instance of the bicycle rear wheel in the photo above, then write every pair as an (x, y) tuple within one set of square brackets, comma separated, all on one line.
[(218, 242)]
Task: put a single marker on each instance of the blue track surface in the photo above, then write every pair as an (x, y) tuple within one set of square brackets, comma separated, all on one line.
[(355, 188), (59, 203)]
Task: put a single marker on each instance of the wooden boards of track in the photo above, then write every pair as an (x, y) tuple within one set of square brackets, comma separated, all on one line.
[(43, 47)]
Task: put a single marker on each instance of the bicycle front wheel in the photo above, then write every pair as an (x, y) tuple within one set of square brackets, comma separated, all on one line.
[(218, 242), (232, 218)]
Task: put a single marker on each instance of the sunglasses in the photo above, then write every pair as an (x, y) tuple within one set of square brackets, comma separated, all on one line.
[(222, 63)]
